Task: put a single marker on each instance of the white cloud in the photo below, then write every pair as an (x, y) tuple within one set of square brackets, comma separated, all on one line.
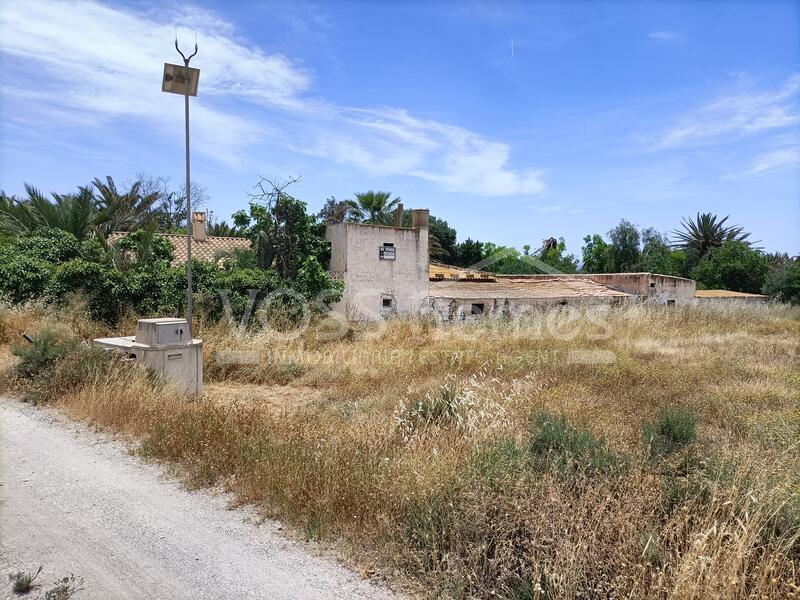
[(785, 158), (783, 153), (105, 63), (736, 116), (664, 36)]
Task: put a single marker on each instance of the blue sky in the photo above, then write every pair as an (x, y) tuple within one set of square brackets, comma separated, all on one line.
[(513, 121)]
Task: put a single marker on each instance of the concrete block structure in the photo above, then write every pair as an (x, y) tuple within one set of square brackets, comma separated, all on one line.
[(467, 300), (164, 346), (384, 269), (652, 287), (387, 273)]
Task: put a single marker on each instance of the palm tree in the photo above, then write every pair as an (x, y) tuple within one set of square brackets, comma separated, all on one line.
[(120, 211), (222, 229), (374, 207), (74, 213), (706, 232)]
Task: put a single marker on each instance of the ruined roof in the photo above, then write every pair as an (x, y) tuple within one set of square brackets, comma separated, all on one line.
[(438, 272), (725, 294), (521, 288), (208, 249)]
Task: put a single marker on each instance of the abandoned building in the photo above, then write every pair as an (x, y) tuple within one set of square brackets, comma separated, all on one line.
[(384, 269), (387, 272)]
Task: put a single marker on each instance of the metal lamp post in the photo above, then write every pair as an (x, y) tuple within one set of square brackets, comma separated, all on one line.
[(183, 80)]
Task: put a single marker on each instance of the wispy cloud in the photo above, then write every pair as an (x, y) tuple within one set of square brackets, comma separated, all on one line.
[(664, 37), (736, 116), (782, 153), (785, 158), (88, 60)]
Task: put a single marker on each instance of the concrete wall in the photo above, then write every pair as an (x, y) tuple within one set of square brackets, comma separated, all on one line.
[(663, 289), (755, 299), (460, 310), (369, 280)]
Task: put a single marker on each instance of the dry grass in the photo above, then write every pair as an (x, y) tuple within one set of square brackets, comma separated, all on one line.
[(417, 446)]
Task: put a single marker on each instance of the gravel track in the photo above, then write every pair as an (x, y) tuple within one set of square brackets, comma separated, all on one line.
[(77, 502)]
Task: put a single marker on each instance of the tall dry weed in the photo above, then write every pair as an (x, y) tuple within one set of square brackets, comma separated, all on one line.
[(463, 490)]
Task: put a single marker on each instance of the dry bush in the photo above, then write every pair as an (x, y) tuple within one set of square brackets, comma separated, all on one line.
[(495, 460)]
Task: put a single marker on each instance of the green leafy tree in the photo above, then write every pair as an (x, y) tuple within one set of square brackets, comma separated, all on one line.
[(284, 236), (624, 250), (444, 238), (312, 280), (783, 280), (733, 266), (374, 207), (596, 255), (556, 256), (507, 260), (337, 211), (658, 257), (441, 237), (468, 253), (707, 231)]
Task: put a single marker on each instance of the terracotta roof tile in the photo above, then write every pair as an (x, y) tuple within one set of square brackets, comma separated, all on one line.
[(209, 249)]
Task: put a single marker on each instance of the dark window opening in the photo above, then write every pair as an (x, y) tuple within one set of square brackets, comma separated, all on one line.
[(652, 284), (670, 302), (478, 308), (563, 303), (387, 303)]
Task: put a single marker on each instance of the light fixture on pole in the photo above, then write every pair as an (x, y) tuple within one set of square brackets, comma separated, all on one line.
[(183, 80)]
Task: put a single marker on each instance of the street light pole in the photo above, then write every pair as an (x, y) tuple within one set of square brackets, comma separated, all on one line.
[(188, 203), (183, 80)]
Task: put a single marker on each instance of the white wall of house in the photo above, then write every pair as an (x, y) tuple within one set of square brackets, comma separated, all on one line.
[(384, 269)]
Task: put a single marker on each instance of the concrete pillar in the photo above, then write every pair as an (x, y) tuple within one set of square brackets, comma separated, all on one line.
[(419, 218), (199, 226)]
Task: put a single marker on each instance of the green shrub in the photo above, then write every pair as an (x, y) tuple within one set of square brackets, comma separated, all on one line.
[(51, 245), (23, 277), (555, 444), (500, 460), (673, 429), (42, 354), (103, 285), (783, 282)]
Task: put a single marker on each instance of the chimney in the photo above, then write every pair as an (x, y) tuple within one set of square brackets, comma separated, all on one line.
[(398, 215), (419, 218), (199, 226)]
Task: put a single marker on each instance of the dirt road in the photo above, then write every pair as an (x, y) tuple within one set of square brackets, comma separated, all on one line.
[(76, 502)]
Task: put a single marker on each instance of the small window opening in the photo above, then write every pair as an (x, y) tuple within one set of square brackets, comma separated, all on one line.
[(477, 308), (670, 302), (652, 284), (563, 303), (387, 303)]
